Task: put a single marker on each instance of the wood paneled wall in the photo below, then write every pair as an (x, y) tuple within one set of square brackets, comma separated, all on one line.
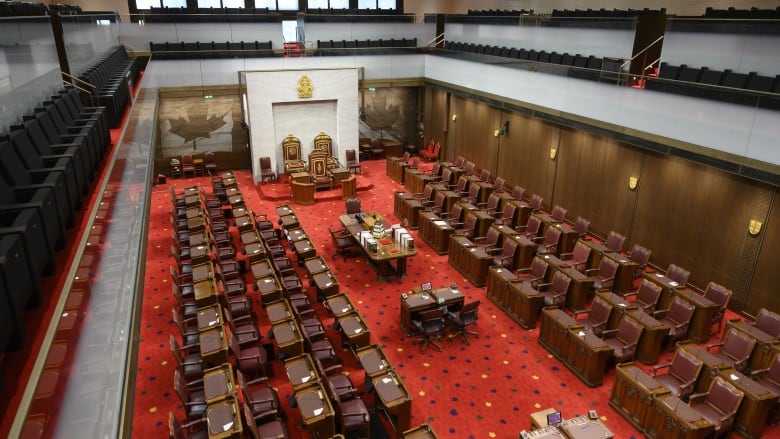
[(687, 214)]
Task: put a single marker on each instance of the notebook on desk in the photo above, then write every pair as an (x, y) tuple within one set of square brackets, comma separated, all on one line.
[(554, 419)]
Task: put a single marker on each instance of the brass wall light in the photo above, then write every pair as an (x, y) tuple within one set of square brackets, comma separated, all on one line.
[(553, 153), (454, 117), (633, 182), (754, 228), (503, 129)]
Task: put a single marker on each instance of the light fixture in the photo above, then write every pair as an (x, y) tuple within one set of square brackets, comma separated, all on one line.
[(633, 182), (553, 153), (754, 228), (454, 117), (503, 129)]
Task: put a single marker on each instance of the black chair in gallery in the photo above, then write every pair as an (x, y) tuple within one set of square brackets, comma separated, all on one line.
[(430, 326), (462, 319)]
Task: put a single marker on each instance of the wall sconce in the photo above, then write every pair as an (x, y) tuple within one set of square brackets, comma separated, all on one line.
[(553, 153), (633, 182), (754, 228), (503, 129), (454, 117)]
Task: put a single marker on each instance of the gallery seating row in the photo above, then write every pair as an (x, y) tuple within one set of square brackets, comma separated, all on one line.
[(109, 80), (336, 47), (317, 15), (210, 15), (604, 13), (733, 13), (47, 164), (490, 16), (211, 49), (604, 69), (727, 86), (22, 9)]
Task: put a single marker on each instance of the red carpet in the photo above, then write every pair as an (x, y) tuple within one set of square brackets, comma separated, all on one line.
[(486, 389)]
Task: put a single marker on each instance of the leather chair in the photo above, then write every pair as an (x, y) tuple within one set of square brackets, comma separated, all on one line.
[(291, 152), (678, 274), (535, 203), (194, 401), (189, 430), (531, 229), (190, 333), (468, 167), (430, 326), (768, 322), (536, 273), (468, 227), (353, 165), (432, 154), (677, 318), (646, 295), (555, 292), (377, 151), (769, 379), (550, 244), (489, 242), (506, 258), (597, 316), (641, 256), (461, 320), (624, 339), (251, 360), (266, 171), (719, 405), (260, 399), (472, 195), (353, 416), (604, 276), (265, 425), (461, 187), (188, 360), (491, 207), (614, 242), (508, 217), (343, 242), (187, 165), (353, 206), (558, 214), (517, 192), (720, 295), (318, 168), (498, 184), (683, 372), (581, 226), (578, 258), (735, 349), (210, 163)]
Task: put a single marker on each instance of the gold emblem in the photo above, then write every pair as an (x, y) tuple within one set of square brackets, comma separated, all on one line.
[(305, 88), (632, 182), (755, 227)]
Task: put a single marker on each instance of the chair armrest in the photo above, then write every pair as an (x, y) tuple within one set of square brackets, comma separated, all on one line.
[(697, 396), (536, 239), (758, 372), (490, 249), (714, 345), (258, 380), (542, 286), (630, 294), (658, 367), (608, 333), (565, 256), (578, 313), (590, 271)]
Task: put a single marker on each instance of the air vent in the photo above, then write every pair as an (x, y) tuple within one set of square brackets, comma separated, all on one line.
[(766, 177), (706, 160)]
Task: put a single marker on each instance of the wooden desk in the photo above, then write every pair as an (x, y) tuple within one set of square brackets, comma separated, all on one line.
[(620, 307), (240, 212), (766, 345), (424, 431), (315, 265), (223, 418), (339, 305), (269, 288), (437, 235), (554, 331), (278, 311), (651, 341), (529, 302), (373, 360), (316, 411), (303, 193), (244, 223), (539, 419), (633, 395), (498, 289), (476, 263), (668, 287), (587, 356), (288, 338), (339, 174), (675, 419), (452, 298), (386, 253), (284, 209), (326, 284), (393, 399), (624, 276), (458, 247), (214, 346), (526, 249), (255, 252), (202, 272), (580, 289), (301, 372), (582, 427), (262, 269), (209, 317), (218, 383), (411, 307), (290, 221), (355, 333), (303, 249), (205, 292), (300, 177), (295, 234), (703, 313), (754, 409), (400, 199)]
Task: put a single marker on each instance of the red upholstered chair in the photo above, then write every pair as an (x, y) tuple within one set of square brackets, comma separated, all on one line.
[(209, 162), (265, 425), (193, 400), (578, 258), (353, 165), (498, 184), (489, 242), (720, 295), (517, 192), (551, 239), (647, 296), (683, 372), (187, 165), (259, 399), (558, 214), (432, 152), (189, 430), (768, 322), (468, 227), (536, 273), (507, 256), (581, 226), (531, 228), (251, 360), (677, 318), (614, 242), (188, 360), (604, 276), (509, 216), (597, 316), (769, 379), (267, 173), (536, 203), (678, 274), (735, 348), (555, 292), (624, 339), (641, 256), (719, 405)]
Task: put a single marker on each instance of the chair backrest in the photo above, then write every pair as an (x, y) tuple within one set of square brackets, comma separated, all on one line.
[(491, 238), (607, 268), (723, 396), (186, 160), (427, 192), (208, 158), (446, 176), (350, 153), (265, 163), (468, 313), (533, 225), (318, 164), (438, 200), (677, 274), (536, 203), (581, 253), (629, 331), (473, 193), (518, 192), (640, 255), (560, 283), (508, 249), (680, 311), (462, 183), (769, 322), (510, 212), (484, 175), (180, 386), (498, 185), (551, 238), (538, 268), (459, 161), (581, 226), (599, 312), (615, 241), (456, 211), (291, 148), (468, 168), (436, 168), (738, 345), (685, 366), (774, 370), (432, 320), (352, 205), (558, 213), (717, 293), (324, 142), (470, 222), (492, 202), (648, 293)]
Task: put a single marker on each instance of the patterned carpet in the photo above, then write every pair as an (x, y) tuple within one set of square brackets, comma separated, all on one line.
[(485, 389)]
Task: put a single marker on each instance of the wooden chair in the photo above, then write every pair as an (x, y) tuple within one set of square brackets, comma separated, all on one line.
[(291, 151), (318, 168)]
